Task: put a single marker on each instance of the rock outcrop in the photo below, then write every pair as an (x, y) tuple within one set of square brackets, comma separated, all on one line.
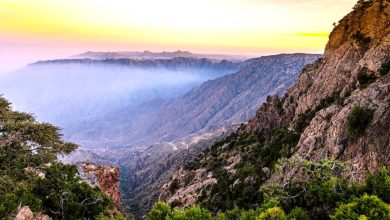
[(106, 178), (25, 213)]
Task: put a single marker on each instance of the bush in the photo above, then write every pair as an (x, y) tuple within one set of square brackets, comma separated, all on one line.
[(360, 38), (175, 184), (379, 184), (369, 207), (364, 78), (298, 214), (358, 120), (192, 213), (160, 211), (385, 67), (275, 213)]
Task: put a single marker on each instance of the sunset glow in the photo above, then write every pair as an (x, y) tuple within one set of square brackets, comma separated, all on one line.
[(47, 29)]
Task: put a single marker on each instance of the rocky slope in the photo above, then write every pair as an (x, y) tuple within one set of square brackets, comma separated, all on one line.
[(313, 120)]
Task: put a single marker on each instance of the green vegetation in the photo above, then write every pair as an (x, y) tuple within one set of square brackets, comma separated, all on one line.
[(298, 214), (364, 78), (358, 120), (322, 191), (31, 175), (365, 207), (162, 211), (360, 38), (275, 213), (240, 189)]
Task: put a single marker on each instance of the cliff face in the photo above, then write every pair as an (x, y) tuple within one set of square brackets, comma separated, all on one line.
[(106, 178), (309, 121)]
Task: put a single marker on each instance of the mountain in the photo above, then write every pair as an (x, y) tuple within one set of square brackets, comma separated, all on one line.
[(338, 109), (232, 98), (148, 55)]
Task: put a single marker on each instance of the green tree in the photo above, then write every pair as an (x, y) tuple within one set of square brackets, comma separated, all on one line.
[(275, 213), (159, 211), (31, 175), (298, 214), (379, 184), (67, 197), (365, 207)]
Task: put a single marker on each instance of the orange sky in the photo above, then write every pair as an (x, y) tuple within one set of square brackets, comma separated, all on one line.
[(48, 29)]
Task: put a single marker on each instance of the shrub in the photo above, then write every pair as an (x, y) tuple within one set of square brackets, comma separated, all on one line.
[(379, 184), (192, 213), (275, 213), (364, 78), (160, 211), (175, 184), (298, 214), (358, 120), (385, 67), (370, 207), (360, 38)]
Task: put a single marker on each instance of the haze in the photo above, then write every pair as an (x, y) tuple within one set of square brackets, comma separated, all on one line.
[(47, 29)]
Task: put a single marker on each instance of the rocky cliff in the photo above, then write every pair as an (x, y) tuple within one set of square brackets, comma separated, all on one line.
[(338, 108), (106, 178)]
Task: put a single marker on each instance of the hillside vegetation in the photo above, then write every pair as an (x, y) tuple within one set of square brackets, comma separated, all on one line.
[(30, 174)]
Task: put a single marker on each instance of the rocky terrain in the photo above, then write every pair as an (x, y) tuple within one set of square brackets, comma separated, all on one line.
[(338, 108)]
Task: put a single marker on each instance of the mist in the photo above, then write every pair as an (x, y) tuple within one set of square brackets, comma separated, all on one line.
[(69, 93)]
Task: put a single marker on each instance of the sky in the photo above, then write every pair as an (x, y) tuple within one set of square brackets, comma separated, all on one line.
[(32, 30)]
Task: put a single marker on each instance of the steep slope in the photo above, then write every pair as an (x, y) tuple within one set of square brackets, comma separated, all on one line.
[(216, 103), (338, 108)]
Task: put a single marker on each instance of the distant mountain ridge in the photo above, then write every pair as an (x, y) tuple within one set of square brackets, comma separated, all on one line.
[(148, 55)]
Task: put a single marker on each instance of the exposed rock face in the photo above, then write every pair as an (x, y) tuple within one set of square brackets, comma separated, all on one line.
[(107, 178), (176, 195), (25, 213), (326, 92)]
